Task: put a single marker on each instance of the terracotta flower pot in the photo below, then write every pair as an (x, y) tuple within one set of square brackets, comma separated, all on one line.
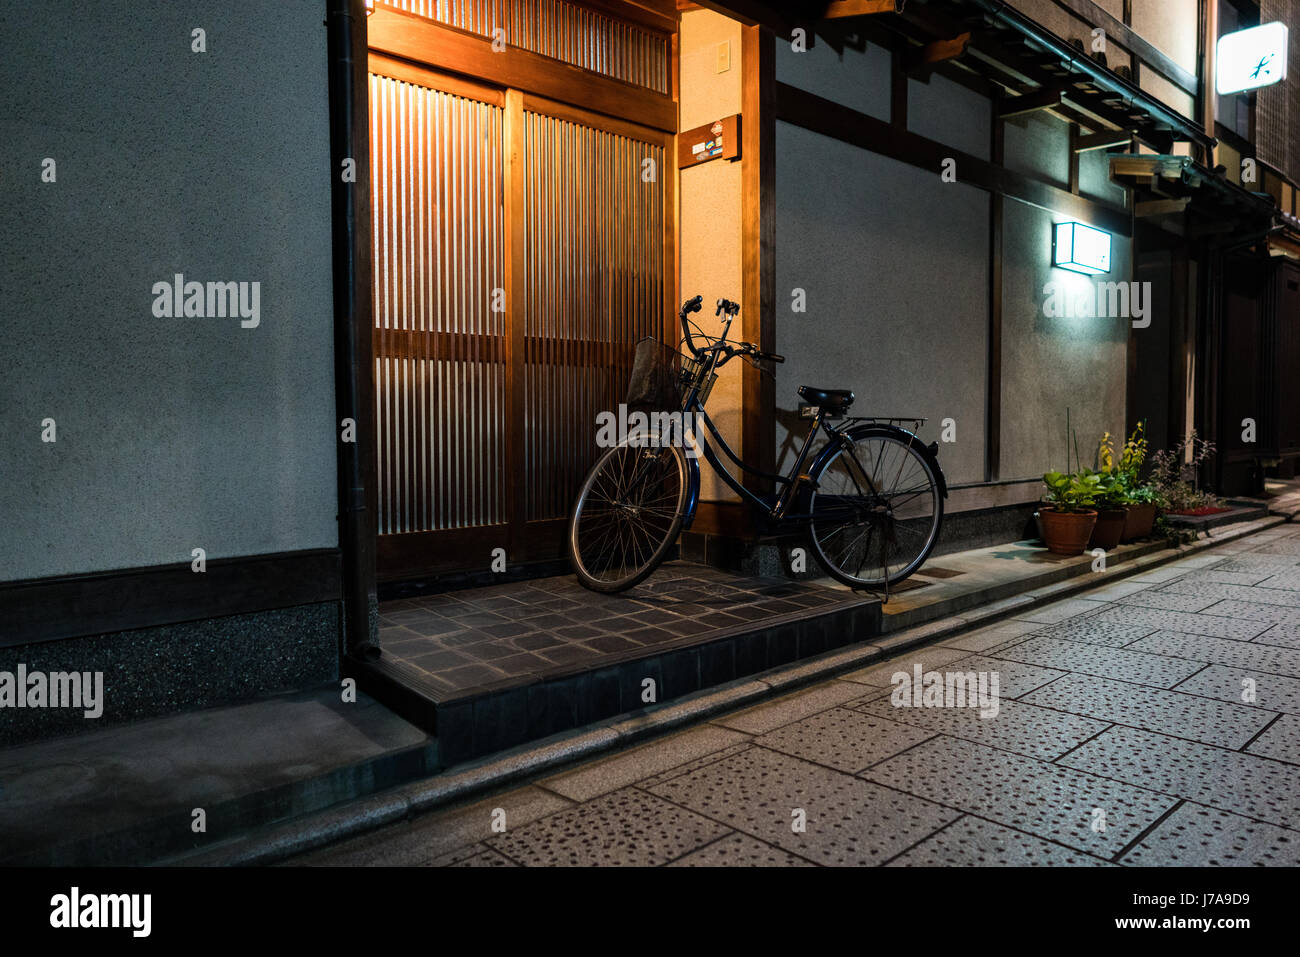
[(1141, 519), (1110, 526), (1066, 533)]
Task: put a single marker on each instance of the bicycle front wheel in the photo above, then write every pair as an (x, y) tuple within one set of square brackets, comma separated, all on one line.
[(875, 510), (628, 514)]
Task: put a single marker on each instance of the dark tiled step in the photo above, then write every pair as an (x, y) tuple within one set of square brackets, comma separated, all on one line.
[(473, 722)]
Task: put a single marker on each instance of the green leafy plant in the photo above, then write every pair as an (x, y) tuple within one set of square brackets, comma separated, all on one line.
[(1123, 472), (1073, 491), (1173, 475)]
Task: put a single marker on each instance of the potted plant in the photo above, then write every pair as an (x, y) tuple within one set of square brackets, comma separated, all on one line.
[(1068, 518), (1110, 500), (1140, 498)]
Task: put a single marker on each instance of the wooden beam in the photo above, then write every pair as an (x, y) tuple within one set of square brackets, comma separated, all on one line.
[(419, 40), (1044, 99), (1103, 140), (1160, 207), (758, 245), (936, 52), (838, 9), (820, 115)]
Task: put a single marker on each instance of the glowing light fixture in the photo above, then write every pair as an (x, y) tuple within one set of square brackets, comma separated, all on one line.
[(1081, 248), (1252, 58)]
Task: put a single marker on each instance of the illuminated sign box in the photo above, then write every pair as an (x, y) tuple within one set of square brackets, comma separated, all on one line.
[(1081, 248), (1250, 58)]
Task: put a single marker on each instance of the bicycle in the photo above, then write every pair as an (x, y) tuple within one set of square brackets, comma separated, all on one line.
[(871, 499)]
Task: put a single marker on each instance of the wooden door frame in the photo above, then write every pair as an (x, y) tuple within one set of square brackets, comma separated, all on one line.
[(417, 50)]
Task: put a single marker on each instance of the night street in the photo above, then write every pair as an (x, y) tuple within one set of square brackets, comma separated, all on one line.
[(1122, 739)]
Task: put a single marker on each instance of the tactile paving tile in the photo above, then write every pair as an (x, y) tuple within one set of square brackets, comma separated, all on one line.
[(1226, 578), (990, 636), (975, 842), (1248, 562), (1114, 633), (1168, 600), (1199, 836), (1159, 671), (625, 827), (1281, 741), (488, 858), (1270, 596), (1015, 678), (1228, 780), (849, 821), (843, 739), (1284, 636), (1222, 651), (1022, 728), (1188, 623), (647, 783), (1051, 801), (1271, 692), (1255, 611), (1187, 716), (1288, 580), (740, 850), (1287, 547)]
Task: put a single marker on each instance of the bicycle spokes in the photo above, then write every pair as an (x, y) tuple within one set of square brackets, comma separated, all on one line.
[(875, 511)]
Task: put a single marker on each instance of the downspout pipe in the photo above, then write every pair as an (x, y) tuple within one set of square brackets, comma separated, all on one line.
[(1002, 12), (349, 175)]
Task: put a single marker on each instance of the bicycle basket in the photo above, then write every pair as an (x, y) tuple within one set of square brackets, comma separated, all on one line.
[(655, 384)]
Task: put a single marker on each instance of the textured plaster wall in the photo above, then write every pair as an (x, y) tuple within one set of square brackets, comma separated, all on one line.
[(894, 264), (1049, 365), (172, 433), (710, 197)]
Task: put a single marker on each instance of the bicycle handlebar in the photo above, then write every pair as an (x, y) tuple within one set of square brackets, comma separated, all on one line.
[(729, 308)]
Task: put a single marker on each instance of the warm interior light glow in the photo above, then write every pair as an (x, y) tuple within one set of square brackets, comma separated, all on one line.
[(1250, 58), (1081, 248)]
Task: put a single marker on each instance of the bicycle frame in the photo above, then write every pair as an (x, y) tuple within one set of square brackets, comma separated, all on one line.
[(777, 510)]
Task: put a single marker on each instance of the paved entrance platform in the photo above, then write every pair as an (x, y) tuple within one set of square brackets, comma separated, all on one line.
[(490, 668)]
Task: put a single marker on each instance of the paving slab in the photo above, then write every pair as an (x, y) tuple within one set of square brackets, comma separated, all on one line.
[(1271, 692), (1159, 671), (1186, 716), (740, 850), (1199, 836), (628, 827), (456, 834), (848, 821), (1022, 728), (1047, 800), (1271, 596), (1245, 784), (1280, 740), (628, 767), (1112, 633), (975, 842), (1216, 626), (1250, 655), (792, 707), (845, 739)]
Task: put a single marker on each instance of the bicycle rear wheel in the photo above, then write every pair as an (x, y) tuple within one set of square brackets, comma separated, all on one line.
[(876, 509), (628, 514)]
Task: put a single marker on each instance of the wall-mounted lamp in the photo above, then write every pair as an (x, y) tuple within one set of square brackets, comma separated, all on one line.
[(1081, 248)]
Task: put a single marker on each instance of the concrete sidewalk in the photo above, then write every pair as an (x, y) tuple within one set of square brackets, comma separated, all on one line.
[(1121, 737)]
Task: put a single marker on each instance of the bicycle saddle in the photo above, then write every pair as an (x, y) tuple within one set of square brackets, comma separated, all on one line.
[(832, 401)]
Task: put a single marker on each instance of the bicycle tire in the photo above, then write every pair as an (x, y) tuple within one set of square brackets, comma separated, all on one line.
[(841, 510), (602, 564)]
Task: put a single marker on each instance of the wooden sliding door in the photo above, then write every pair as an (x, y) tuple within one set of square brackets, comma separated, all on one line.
[(522, 246)]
